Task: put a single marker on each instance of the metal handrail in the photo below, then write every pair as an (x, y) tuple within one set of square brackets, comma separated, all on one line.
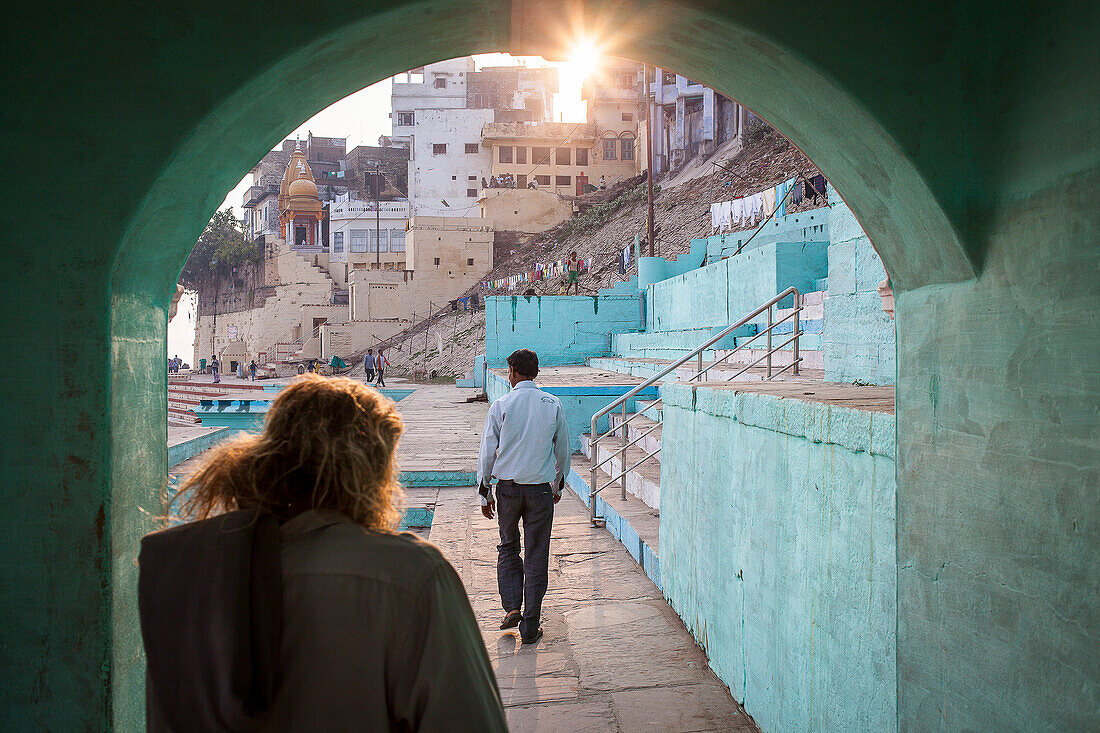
[(696, 353)]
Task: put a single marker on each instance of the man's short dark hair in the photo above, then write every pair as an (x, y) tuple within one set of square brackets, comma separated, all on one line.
[(524, 363)]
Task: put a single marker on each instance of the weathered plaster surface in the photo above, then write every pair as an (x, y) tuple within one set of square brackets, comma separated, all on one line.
[(777, 550), (561, 329), (859, 342)]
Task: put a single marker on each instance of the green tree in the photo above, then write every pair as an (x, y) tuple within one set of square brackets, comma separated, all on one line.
[(222, 246)]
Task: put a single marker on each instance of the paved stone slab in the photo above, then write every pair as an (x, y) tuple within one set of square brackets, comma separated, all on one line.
[(615, 657), (442, 430)]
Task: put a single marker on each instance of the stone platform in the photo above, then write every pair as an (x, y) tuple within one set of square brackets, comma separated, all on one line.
[(615, 656)]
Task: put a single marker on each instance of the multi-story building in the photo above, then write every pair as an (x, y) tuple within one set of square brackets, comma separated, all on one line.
[(515, 93), (439, 110), (689, 119), (435, 86), (365, 235), (447, 161), (560, 156)]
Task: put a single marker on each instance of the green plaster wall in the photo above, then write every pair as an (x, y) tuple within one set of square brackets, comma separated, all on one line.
[(964, 141), (858, 341), (777, 550), (999, 480)]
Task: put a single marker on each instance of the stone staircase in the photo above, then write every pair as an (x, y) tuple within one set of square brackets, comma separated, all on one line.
[(184, 397), (645, 354)]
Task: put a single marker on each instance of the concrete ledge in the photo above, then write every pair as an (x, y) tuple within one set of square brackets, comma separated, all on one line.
[(856, 430), (438, 478), (181, 452)]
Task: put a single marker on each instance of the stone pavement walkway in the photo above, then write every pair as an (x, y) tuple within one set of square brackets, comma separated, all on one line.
[(615, 656)]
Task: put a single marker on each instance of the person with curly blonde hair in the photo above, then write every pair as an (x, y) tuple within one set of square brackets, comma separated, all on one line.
[(293, 603)]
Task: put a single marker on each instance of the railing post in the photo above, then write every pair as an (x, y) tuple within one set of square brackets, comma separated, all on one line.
[(699, 368), (797, 310), (622, 453), (592, 478), (768, 359)]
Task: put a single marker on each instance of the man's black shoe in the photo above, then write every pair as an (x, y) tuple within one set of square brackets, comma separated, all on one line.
[(533, 637)]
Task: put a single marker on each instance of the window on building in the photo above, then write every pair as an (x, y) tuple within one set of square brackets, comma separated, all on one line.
[(437, 261), (542, 180), (404, 119), (471, 193), (504, 153), (441, 82), (358, 240), (627, 148), (469, 261), (540, 155), (562, 156), (472, 148), (376, 236), (582, 156), (337, 241), (471, 178), (439, 148), (628, 116), (609, 151), (562, 180), (521, 154), (397, 240), (521, 181)]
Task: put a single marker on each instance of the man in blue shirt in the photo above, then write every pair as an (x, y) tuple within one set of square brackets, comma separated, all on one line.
[(526, 446)]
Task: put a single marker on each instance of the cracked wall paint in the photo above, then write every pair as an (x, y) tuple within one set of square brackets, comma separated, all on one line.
[(777, 539)]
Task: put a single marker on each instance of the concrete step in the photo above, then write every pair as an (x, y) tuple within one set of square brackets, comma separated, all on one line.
[(634, 429), (812, 360), (643, 482)]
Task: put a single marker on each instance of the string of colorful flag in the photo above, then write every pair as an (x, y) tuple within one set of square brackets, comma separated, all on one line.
[(539, 271)]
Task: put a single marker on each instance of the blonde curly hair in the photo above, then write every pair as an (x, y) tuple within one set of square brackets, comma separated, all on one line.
[(326, 444)]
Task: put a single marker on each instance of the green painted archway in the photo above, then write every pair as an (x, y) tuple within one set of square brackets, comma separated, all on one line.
[(964, 143)]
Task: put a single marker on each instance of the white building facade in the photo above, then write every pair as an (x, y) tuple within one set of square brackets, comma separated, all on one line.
[(435, 86), (361, 238), (447, 162)]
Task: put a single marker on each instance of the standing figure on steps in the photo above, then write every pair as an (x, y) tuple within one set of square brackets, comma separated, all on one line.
[(525, 445)]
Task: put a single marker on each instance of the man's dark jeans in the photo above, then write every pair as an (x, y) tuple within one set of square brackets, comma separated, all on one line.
[(524, 580)]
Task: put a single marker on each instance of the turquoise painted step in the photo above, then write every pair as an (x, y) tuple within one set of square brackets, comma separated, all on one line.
[(822, 284)]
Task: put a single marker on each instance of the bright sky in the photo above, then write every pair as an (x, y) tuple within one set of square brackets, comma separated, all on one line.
[(362, 117)]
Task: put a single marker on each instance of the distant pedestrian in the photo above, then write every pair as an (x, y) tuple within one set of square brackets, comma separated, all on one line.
[(572, 273), (368, 365), (215, 368), (525, 445), (603, 183), (252, 370), (380, 363)]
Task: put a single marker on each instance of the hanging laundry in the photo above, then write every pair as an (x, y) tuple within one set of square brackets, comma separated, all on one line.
[(769, 201)]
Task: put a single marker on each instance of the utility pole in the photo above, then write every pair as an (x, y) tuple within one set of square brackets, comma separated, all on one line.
[(377, 219), (648, 154)]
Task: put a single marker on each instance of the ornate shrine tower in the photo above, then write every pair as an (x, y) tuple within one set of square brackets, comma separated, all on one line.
[(300, 212)]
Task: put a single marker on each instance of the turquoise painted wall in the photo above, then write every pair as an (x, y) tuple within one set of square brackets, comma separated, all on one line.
[(723, 292), (777, 550), (561, 329), (805, 226), (859, 340)]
